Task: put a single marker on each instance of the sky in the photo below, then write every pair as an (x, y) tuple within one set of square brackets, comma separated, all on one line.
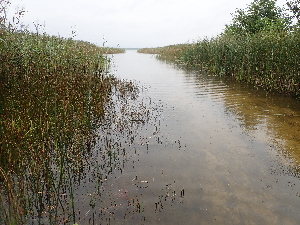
[(131, 23)]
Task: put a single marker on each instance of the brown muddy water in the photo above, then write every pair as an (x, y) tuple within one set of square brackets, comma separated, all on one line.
[(199, 150)]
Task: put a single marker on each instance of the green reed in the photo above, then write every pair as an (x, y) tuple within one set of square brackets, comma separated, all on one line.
[(169, 53), (109, 50), (270, 60), (52, 96), (267, 59)]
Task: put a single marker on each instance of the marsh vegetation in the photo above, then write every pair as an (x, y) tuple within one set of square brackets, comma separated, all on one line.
[(79, 146), (261, 46), (53, 96)]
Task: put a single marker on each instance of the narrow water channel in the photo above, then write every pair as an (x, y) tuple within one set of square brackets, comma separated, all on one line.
[(215, 152)]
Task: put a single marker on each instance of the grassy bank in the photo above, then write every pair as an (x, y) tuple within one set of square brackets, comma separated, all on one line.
[(270, 60), (53, 93)]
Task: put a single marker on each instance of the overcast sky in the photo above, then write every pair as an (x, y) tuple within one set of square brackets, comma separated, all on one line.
[(132, 23)]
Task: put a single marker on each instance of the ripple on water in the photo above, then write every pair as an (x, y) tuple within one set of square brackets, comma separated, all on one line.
[(232, 148)]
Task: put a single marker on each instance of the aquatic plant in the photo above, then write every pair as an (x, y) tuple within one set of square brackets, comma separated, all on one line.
[(265, 59), (109, 50), (168, 53), (259, 47), (53, 93)]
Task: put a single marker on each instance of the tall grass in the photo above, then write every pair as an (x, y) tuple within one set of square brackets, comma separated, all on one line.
[(53, 93), (268, 59)]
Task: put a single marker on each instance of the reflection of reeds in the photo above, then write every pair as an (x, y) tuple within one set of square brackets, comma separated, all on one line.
[(52, 96)]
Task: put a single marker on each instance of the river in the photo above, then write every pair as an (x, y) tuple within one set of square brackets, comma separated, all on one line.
[(214, 152)]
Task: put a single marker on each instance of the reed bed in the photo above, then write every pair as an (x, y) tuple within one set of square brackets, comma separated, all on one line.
[(169, 53), (53, 93), (109, 50), (270, 60), (157, 50)]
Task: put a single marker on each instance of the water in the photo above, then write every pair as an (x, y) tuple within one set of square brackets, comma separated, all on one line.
[(213, 152)]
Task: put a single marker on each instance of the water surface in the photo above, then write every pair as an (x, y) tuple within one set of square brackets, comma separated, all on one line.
[(214, 152)]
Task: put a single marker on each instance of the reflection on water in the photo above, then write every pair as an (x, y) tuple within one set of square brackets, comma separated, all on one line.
[(279, 116), (189, 149), (273, 114), (220, 152)]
